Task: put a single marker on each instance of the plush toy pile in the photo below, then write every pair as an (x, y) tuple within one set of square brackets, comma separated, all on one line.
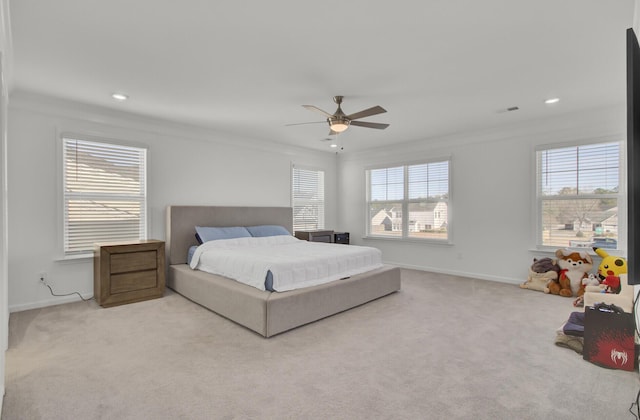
[(568, 274), (574, 280)]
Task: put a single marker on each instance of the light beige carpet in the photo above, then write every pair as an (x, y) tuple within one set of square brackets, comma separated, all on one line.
[(441, 348)]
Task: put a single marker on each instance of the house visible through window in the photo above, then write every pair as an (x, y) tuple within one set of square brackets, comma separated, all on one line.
[(307, 199), (105, 196), (578, 195), (409, 201)]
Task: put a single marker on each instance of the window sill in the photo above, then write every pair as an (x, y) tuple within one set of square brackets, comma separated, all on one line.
[(74, 258), (410, 240), (552, 250)]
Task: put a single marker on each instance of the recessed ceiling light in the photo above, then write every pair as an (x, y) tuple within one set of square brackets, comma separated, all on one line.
[(120, 96), (552, 101), (334, 145)]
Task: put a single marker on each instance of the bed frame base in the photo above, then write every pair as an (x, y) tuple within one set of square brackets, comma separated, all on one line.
[(271, 313)]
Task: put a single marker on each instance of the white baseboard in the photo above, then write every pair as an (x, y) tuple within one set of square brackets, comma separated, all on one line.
[(48, 302), (75, 298), (459, 273)]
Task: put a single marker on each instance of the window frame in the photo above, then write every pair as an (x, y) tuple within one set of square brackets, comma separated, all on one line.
[(621, 195), (321, 223), (95, 138), (405, 237)]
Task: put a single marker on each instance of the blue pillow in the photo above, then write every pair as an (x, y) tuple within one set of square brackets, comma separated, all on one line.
[(207, 234), (267, 230), (192, 250)]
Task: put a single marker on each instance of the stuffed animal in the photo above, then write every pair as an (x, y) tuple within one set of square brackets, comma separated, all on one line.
[(574, 266), (591, 280), (541, 272), (609, 271), (612, 284)]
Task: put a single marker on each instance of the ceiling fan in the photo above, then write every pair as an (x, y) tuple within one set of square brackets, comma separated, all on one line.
[(339, 121)]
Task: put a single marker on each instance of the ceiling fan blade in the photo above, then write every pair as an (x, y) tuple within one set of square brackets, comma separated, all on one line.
[(374, 110), (312, 122), (379, 126), (315, 108)]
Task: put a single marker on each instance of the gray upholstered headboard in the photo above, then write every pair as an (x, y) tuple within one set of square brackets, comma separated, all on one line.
[(181, 222)]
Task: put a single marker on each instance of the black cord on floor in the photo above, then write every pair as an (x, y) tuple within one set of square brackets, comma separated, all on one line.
[(68, 294), (636, 415)]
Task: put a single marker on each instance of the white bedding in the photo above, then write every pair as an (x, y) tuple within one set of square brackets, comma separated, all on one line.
[(293, 263)]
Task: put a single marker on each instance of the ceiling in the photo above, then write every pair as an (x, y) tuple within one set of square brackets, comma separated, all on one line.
[(245, 67)]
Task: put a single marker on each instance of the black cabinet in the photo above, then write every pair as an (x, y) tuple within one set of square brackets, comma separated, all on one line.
[(341, 237)]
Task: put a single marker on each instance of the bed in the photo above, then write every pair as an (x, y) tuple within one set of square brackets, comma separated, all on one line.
[(267, 313)]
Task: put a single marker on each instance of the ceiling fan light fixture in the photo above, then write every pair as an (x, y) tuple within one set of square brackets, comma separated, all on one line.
[(338, 124), (118, 96)]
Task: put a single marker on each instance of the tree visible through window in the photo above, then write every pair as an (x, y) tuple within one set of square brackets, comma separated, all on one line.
[(307, 199), (578, 193), (409, 201), (104, 194)]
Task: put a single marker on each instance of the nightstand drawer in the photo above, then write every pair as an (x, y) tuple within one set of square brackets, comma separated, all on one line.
[(128, 282), (133, 261)]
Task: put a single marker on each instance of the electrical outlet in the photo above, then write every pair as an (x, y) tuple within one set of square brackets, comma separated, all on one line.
[(42, 277)]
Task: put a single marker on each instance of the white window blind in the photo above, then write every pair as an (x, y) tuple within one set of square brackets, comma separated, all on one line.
[(578, 194), (104, 194), (308, 199), (409, 201)]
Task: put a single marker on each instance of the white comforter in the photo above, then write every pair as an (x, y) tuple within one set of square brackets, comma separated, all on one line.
[(294, 263)]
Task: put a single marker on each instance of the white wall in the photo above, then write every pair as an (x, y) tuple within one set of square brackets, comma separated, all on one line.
[(5, 79), (493, 180), (636, 18), (186, 165)]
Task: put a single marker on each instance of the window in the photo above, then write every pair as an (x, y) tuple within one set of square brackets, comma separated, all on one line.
[(307, 199), (105, 196), (409, 201), (578, 194)]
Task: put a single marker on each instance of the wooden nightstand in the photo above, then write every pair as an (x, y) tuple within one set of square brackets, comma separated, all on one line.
[(128, 272), (315, 235)]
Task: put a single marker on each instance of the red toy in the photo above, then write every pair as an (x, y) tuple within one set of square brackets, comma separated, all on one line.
[(612, 284)]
